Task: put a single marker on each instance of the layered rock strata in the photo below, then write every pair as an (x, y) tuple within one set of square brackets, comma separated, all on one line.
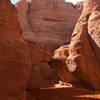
[(46, 25)]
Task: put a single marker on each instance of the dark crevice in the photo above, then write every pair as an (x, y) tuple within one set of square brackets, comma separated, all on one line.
[(52, 20)]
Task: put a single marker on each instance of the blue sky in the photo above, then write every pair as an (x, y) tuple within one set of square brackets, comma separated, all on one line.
[(74, 1), (14, 1)]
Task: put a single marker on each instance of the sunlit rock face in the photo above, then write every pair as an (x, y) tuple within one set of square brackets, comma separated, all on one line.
[(58, 64), (14, 55), (46, 25), (84, 49), (81, 57)]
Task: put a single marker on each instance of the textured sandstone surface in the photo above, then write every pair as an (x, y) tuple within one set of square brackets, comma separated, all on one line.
[(14, 63), (22, 9), (84, 49), (79, 6), (83, 54), (51, 22), (46, 25), (58, 63), (39, 53)]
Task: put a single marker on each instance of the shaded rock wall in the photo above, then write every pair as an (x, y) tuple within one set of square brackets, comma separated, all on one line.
[(42, 76), (58, 64), (51, 22), (14, 55), (46, 25), (79, 6)]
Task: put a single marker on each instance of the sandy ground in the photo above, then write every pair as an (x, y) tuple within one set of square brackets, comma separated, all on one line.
[(66, 92)]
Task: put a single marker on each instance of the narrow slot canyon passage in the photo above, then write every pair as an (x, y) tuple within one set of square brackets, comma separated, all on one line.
[(60, 48)]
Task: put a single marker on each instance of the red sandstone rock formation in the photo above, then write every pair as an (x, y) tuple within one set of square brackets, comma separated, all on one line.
[(84, 49), (58, 63), (42, 76), (46, 25), (79, 6), (14, 55), (22, 9), (51, 22)]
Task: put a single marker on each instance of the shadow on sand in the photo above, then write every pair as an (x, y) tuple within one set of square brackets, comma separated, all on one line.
[(63, 94)]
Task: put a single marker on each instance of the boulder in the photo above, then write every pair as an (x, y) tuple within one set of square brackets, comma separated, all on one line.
[(83, 53), (58, 64)]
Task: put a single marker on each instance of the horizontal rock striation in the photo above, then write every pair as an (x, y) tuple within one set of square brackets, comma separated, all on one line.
[(46, 25)]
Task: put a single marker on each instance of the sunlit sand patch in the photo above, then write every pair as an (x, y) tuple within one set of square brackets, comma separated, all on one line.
[(60, 84), (92, 96)]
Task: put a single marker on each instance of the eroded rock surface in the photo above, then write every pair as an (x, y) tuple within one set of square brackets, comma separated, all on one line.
[(46, 25), (58, 63), (79, 6), (84, 49), (14, 55), (83, 60)]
